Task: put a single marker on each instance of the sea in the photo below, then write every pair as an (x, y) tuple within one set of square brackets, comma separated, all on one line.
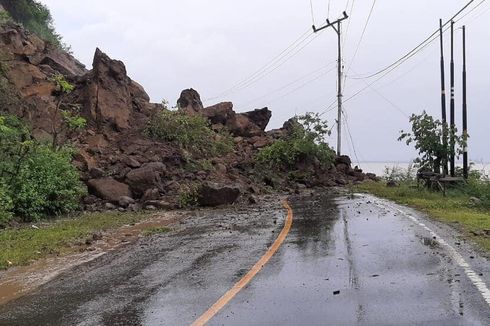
[(379, 168)]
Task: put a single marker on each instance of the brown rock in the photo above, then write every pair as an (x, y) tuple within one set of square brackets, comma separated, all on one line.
[(107, 94), (212, 194), (108, 189), (220, 113), (149, 176), (259, 117), (190, 101)]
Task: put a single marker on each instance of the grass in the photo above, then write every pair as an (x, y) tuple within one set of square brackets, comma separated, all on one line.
[(455, 209), (21, 246), (156, 230)]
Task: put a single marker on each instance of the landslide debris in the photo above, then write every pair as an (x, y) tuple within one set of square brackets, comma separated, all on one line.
[(117, 160)]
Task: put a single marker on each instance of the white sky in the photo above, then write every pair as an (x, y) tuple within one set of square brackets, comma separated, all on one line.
[(211, 45)]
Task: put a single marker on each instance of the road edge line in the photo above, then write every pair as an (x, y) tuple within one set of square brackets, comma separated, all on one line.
[(230, 294), (476, 280)]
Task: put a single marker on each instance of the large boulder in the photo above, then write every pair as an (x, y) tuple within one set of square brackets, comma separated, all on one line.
[(108, 189), (212, 194), (249, 124), (220, 113), (108, 98), (190, 101), (149, 176), (259, 117)]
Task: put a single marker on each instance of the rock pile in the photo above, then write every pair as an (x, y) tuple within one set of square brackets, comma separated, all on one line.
[(121, 167)]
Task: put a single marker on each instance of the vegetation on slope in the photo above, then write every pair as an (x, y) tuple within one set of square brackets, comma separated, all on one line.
[(35, 17), (36, 180)]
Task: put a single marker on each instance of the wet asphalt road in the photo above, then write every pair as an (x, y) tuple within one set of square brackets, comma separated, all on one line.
[(346, 261)]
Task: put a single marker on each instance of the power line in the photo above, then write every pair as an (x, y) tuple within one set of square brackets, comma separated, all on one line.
[(348, 25), (312, 13), (415, 49), (283, 54), (311, 73), (362, 36)]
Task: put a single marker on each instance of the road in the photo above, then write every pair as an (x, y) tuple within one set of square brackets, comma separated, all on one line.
[(346, 261)]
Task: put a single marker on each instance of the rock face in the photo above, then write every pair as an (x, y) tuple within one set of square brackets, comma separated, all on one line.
[(190, 101), (154, 173), (212, 194), (109, 189), (108, 98)]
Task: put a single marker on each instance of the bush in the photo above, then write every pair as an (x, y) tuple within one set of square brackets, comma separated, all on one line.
[(35, 180), (192, 133), (305, 143), (47, 184), (400, 175), (5, 206)]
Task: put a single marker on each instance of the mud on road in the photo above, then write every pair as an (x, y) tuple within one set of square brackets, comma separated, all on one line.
[(346, 261)]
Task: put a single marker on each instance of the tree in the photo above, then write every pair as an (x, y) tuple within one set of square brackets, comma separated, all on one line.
[(427, 136)]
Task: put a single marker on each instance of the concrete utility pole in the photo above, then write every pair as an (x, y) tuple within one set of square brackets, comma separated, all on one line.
[(443, 102), (465, 111), (453, 126), (337, 27)]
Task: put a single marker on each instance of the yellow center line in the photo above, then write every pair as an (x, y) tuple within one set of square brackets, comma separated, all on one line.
[(228, 296)]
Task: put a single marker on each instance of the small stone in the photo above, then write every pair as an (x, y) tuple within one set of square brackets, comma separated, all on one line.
[(110, 206)]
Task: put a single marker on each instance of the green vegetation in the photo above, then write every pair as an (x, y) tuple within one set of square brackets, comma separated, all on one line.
[(191, 133), (70, 113), (188, 196), (156, 230), (36, 180), (35, 17), (305, 144), (22, 246), (427, 135)]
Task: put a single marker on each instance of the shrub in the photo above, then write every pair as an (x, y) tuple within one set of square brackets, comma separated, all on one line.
[(5, 206), (47, 184), (400, 175), (188, 195), (192, 133), (305, 143)]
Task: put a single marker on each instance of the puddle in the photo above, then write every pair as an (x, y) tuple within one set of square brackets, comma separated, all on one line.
[(21, 280)]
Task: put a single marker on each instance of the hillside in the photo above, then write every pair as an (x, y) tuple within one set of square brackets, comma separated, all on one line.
[(118, 157)]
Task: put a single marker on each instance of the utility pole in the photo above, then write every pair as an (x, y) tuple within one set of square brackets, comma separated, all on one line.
[(465, 112), (453, 126), (337, 27), (443, 103)]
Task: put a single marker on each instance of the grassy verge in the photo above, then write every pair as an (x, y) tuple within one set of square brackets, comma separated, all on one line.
[(20, 246), (456, 209)]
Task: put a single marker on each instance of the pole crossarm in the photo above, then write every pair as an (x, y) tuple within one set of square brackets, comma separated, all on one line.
[(331, 24)]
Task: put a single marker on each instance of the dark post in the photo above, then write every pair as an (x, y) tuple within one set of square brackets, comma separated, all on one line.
[(453, 126), (443, 102), (465, 112)]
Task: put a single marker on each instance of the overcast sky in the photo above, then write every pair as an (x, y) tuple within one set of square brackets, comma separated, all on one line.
[(212, 45)]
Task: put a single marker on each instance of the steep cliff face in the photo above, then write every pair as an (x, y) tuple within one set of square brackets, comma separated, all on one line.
[(115, 158)]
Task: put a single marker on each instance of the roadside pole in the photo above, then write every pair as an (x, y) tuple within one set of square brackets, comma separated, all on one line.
[(465, 111), (337, 27)]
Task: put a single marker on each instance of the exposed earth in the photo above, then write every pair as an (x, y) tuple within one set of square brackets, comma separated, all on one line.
[(347, 260)]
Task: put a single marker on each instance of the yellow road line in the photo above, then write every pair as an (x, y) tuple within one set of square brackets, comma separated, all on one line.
[(228, 296)]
